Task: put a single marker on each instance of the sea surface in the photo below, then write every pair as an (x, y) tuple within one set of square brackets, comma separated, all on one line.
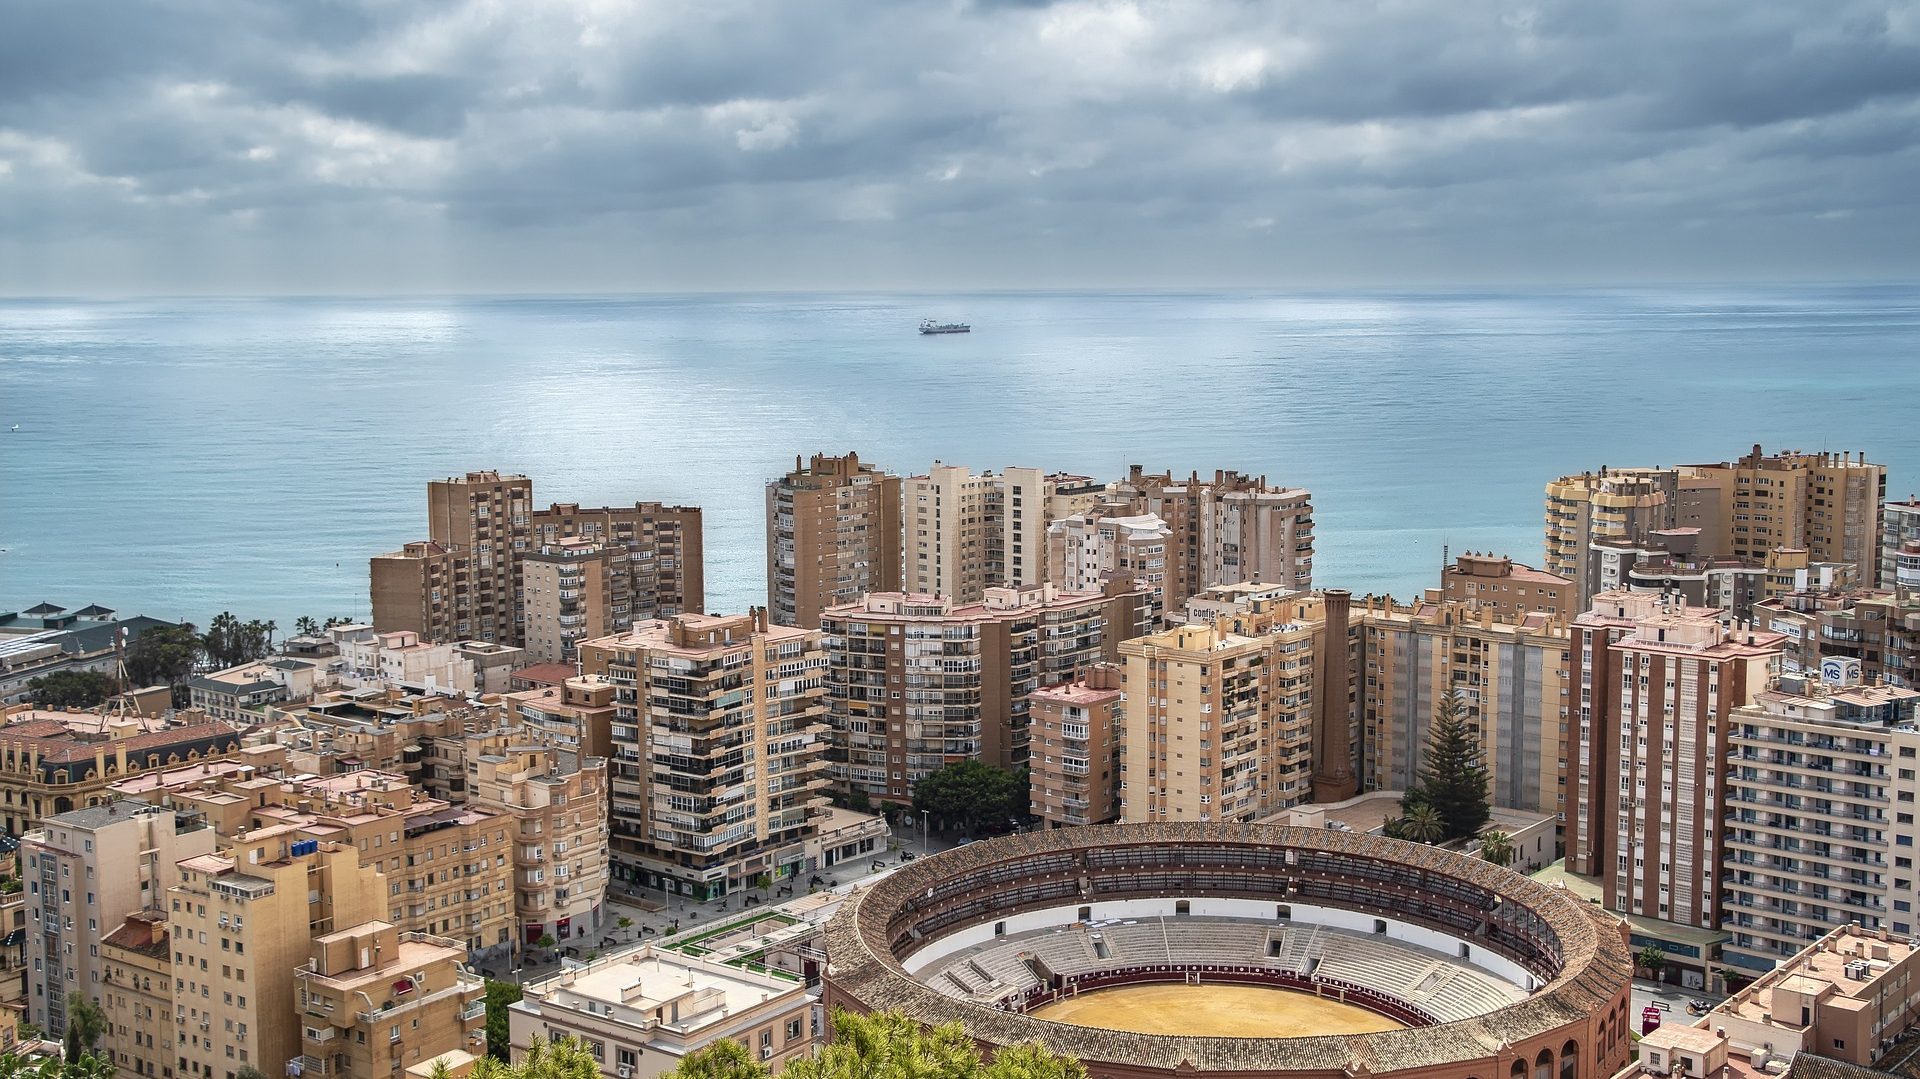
[(178, 457)]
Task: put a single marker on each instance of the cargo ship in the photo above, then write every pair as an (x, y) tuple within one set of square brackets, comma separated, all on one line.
[(927, 325)]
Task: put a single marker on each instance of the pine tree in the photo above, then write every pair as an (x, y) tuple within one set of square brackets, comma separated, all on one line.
[(1453, 779)]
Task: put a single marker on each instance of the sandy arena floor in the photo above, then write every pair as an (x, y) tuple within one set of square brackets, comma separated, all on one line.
[(1230, 1011)]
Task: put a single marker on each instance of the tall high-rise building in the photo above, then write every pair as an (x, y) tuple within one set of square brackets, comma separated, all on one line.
[(1085, 550), (1224, 530), (717, 770), (1900, 546), (1659, 681), (1820, 820), (965, 533), (1826, 504), (568, 594), (1219, 719), (833, 535), (464, 581), (917, 682), (89, 869), (1075, 749), (1511, 679)]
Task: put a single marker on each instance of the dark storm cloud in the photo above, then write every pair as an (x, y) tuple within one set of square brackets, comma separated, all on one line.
[(540, 143)]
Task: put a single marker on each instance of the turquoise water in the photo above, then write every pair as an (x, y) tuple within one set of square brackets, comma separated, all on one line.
[(181, 457)]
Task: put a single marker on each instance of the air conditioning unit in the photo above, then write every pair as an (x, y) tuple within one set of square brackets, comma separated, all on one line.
[(766, 1052), (626, 1071)]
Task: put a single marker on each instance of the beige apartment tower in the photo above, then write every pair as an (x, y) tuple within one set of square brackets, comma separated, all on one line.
[(718, 771), (88, 870), (965, 533), (568, 593), (917, 682), (1225, 529), (1219, 719), (833, 535), (464, 581), (375, 1002), (1085, 550)]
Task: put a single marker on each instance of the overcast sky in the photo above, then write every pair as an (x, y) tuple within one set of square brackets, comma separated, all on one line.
[(608, 145)]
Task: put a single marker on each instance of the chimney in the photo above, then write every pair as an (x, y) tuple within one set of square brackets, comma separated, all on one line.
[(1333, 779)]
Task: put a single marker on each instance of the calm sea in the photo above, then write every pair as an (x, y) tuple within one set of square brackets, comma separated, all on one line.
[(181, 457)]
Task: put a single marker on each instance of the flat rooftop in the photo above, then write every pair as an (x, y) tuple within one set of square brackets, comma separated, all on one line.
[(1826, 964)]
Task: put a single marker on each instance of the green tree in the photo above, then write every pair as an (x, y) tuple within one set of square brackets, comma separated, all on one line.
[(72, 689), (624, 922), (305, 626), (85, 1023), (164, 656), (85, 1066), (1422, 824), (564, 1059), (723, 1059), (230, 642), (974, 793), (1497, 847), (1652, 959), (888, 1045), (248, 1071), (499, 996), (1453, 777)]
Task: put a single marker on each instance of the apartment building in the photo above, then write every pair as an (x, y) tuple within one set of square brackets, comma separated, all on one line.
[(242, 923), (1510, 590), (717, 770), (1085, 550), (1075, 749), (54, 762), (917, 682), (833, 535), (639, 1013), (240, 694), (1659, 682), (965, 533), (1512, 680), (1900, 545), (1219, 719), (567, 590), (1842, 636), (375, 1002), (557, 805), (400, 660), (463, 581), (136, 995), (1820, 817), (1826, 504), (1229, 528), (576, 715), (86, 870)]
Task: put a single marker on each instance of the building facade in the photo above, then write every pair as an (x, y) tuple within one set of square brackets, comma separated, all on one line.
[(1075, 753), (557, 804), (1507, 588), (1222, 530), (568, 594), (833, 535), (1836, 764), (136, 995), (916, 682), (86, 871), (717, 772), (374, 1001), (1900, 545), (1086, 550), (1659, 683), (464, 581), (1218, 720), (53, 762)]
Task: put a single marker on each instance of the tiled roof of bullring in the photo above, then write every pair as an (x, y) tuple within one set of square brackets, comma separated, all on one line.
[(1595, 962)]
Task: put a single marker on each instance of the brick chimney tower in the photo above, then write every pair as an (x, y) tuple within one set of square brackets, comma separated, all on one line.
[(1333, 778)]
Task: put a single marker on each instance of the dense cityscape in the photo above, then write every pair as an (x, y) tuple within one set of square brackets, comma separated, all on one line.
[(547, 794)]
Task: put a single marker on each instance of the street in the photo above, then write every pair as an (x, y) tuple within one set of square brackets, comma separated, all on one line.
[(1671, 999)]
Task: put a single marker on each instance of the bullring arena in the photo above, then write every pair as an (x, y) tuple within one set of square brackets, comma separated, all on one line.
[(1146, 950)]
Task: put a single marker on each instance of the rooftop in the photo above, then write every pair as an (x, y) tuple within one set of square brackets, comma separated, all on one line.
[(1844, 967), (649, 978)]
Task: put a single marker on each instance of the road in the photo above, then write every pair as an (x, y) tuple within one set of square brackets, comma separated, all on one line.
[(1671, 999)]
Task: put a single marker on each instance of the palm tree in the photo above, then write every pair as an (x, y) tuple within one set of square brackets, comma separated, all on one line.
[(305, 626), (85, 1023), (1423, 824), (1497, 847)]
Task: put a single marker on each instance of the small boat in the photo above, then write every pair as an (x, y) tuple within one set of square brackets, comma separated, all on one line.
[(927, 325)]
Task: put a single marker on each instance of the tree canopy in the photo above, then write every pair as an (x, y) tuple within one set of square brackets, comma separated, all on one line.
[(564, 1059), (888, 1045), (84, 1066), (500, 996), (1453, 777), (72, 689), (724, 1059), (974, 793), (85, 1023), (230, 642), (163, 656)]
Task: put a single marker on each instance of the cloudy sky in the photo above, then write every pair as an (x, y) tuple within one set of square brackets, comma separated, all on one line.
[(605, 145)]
